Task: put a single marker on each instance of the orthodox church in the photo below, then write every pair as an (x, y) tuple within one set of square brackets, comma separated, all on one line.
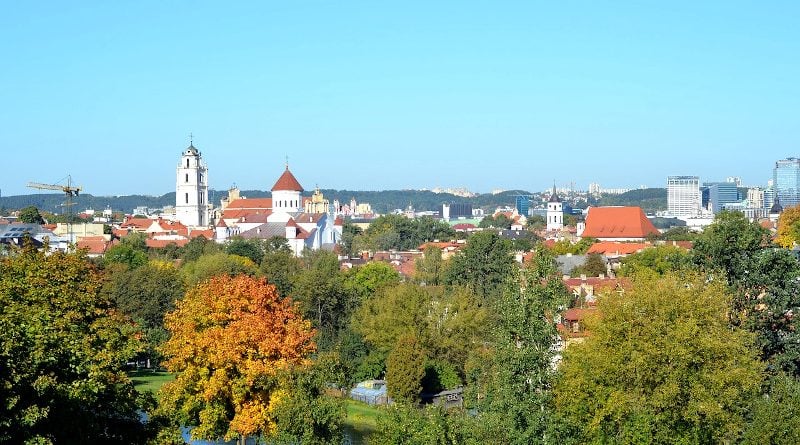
[(306, 223)]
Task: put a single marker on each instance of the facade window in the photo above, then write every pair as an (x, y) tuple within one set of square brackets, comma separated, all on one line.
[(186, 196), (187, 162), (187, 177)]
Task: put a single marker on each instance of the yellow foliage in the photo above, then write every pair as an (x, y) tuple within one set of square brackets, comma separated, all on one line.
[(231, 338), (789, 227)]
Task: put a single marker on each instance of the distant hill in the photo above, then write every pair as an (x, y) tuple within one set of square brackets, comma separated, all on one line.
[(382, 201), (650, 200)]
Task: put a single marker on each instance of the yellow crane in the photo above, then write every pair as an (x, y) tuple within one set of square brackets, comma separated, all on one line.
[(70, 190)]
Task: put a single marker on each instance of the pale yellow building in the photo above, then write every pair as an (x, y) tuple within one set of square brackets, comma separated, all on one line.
[(317, 203)]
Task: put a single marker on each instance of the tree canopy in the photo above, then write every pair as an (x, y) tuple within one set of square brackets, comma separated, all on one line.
[(232, 338), (662, 366), (62, 354)]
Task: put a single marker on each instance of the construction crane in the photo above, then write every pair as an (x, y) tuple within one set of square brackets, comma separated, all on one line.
[(70, 190)]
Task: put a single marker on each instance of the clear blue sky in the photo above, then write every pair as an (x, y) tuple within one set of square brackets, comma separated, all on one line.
[(372, 95)]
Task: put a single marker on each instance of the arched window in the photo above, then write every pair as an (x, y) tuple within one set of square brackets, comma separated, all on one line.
[(187, 177), (187, 198), (187, 162)]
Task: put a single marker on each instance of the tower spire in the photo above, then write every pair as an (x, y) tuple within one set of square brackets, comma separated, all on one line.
[(287, 162)]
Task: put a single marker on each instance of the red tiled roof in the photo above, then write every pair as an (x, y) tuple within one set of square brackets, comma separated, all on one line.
[(137, 223), (617, 248), (221, 223), (597, 282), (207, 233), (247, 215), (576, 314), (252, 203), (291, 223), (463, 226), (338, 221), (287, 181), (618, 222), (161, 243), (96, 245)]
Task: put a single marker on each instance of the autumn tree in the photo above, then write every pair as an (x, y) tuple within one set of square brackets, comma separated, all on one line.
[(62, 352), (789, 227), (232, 339), (662, 366)]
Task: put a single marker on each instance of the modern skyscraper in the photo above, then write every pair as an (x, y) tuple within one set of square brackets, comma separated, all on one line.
[(786, 181), (683, 195), (721, 193), (191, 190), (523, 204)]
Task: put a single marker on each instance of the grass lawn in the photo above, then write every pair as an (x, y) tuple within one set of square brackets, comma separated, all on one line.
[(362, 420), (149, 380)]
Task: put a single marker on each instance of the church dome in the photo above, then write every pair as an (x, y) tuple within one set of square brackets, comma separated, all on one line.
[(287, 182)]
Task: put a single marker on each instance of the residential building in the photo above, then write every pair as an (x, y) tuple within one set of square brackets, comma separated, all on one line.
[(683, 196), (191, 191), (786, 181)]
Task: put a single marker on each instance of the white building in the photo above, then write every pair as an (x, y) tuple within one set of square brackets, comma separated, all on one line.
[(683, 196), (191, 191)]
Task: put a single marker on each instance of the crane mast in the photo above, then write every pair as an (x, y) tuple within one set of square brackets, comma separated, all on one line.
[(69, 190)]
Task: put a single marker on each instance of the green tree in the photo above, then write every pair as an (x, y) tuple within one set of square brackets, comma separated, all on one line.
[(594, 266), (248, 248), (500, 221), (280, 267), (515, 376), (483, 265), (662, 366), (405, 368), (366, 280), (30, 215), (199, 246), (350, 232), (430, 268), (774, 414), (215, 264), (536, 223), (323, 297), (62, 354), (766, 299), (145, 295), (728, 243), (659, 259)]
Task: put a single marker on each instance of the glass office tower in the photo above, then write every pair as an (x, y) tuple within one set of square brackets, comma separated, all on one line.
[(786, 181)]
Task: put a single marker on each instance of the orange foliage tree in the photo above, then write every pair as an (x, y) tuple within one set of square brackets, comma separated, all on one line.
[(232, 339), (789, 227)]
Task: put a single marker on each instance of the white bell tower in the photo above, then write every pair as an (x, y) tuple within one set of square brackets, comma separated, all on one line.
[(555, 212), (191, 190)]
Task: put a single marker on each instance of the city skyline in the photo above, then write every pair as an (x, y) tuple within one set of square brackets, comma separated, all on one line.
[(373, 97)]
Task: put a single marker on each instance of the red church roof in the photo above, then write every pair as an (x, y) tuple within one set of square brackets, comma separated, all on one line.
[(287, 181), (251, 203), (618, 222)]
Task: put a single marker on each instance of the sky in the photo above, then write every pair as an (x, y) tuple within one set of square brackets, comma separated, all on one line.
[(396, 95)]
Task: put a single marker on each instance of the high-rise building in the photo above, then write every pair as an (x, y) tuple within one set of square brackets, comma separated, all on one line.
[(523, 204), (755, 198), (721, 193), (683, 195), (786, 181), (191, 190)]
